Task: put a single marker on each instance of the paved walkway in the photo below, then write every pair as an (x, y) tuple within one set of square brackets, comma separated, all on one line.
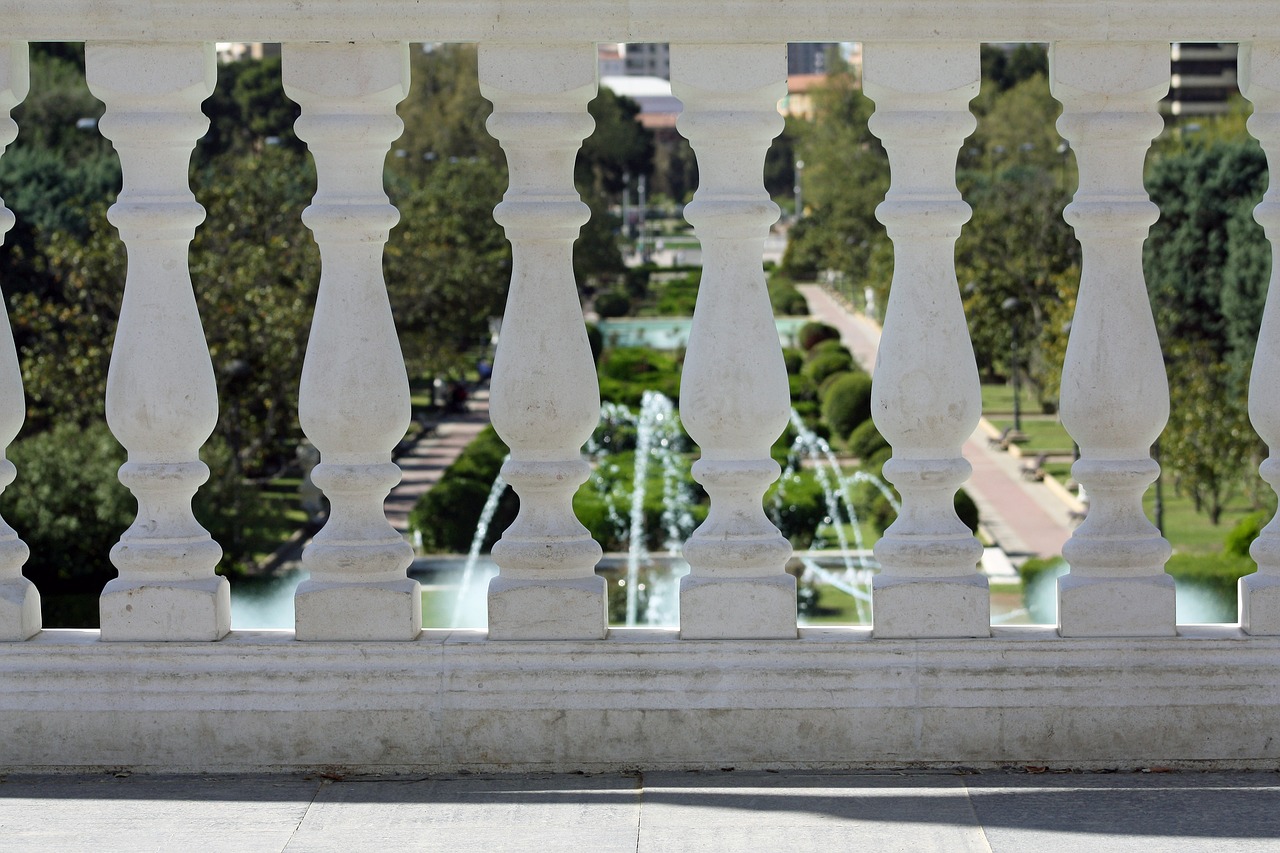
[(1025, 518), (997, 812), (422, 466)]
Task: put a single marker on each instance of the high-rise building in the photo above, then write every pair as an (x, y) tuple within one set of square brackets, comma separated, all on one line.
[(1203, 79)]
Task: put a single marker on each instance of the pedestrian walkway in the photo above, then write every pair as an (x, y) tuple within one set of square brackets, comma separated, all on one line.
[(1025, 518), (424, 463), (876, 812)]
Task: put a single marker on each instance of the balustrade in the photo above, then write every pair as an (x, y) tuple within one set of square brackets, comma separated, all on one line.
[(563, 697), (19, 599), (162, 399), (734, 398), (1115, 399), (544, 398), (354, 399), (925, 397), (1260, 592)]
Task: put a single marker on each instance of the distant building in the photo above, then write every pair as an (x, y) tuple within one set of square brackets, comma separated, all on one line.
[(1203, 79), (658, 107), (234, 51), (611, 60), (809, 57), (799, 99), (648, 59)]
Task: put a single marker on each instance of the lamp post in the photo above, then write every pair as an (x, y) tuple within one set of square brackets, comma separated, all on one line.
[(1011, 307), (799, 189)]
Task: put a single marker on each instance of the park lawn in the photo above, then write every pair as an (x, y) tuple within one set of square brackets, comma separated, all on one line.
[(998, 400), (1044, 435), (282, 515), (1189, 531)]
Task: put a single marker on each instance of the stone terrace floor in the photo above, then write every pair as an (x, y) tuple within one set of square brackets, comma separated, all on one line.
[(912, 812)]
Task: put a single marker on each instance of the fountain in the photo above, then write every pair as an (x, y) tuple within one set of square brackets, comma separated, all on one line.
[(649, 576), (660, 443)]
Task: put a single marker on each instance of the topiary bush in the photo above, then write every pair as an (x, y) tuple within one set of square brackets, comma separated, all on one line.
[(828, 346), (793, 359), (812, 334), (866, 440), (819, 368), (613, 303), (847, 402)]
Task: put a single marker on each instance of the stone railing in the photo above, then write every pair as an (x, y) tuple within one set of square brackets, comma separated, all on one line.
[(166, 684)]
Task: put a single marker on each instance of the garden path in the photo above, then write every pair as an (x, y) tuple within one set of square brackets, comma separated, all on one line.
[(424, 462), (1024, 518)]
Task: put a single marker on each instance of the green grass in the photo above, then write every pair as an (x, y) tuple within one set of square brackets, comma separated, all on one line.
[(998, 399), (1189, 531)]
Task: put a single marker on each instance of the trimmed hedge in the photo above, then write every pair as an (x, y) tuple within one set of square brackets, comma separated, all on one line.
[(847, 402), (812, 334), (865, 440), (828, 364)]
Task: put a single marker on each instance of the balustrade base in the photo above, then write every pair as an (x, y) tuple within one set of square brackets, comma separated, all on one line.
[(914, 607), (1260, 604), (19, 610), (643, 698), (714, 608), (382, 611), (1116, 607), (553, 609), (148, 610)]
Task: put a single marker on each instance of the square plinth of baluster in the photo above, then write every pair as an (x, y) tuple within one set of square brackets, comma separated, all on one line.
[(19, 610), (1260, 604), (757, 608), (918, 608), (1116, 607), (553, 609), (144, 611), (376, 611)]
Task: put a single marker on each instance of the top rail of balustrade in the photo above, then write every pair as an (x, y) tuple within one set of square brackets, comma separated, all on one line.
[(712, 21)]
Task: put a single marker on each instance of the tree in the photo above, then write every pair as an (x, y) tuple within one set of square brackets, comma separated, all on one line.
[(1206, 242), (1208, 445), (846, 176), (447, 263)]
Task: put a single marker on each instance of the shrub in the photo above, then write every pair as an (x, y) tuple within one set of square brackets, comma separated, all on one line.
[(797, 506), (446, 516), (68, 505), (1242, 535), (866, 440), (786, 300), (814, 333), (802, 389), (613, 303), (847, 402), (967, 510), (595, 339), (794, 359), (677, 298), (829, 346), (822, 366)]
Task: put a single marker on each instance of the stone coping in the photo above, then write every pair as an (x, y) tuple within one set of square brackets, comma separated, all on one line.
[(455, 701)]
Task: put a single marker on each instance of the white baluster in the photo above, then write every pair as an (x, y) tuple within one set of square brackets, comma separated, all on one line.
[(734, 398), (19, 600), (545, 398), (1259, 73), (1115, 398), (354, 398), (162, 400), (926, 399)]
